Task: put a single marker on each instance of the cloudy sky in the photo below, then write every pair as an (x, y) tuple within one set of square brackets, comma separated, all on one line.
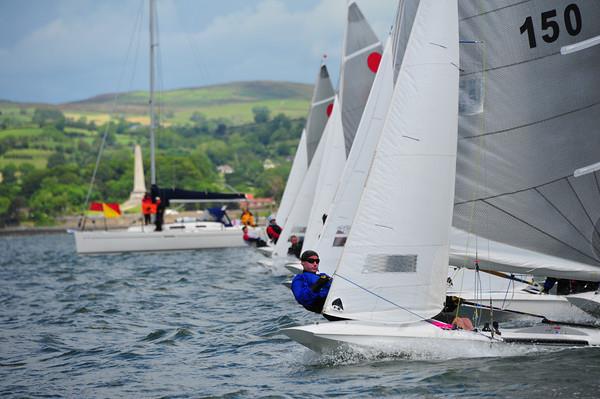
[(64, 50)]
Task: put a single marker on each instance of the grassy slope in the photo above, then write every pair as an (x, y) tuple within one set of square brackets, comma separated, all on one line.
[(233, 101)]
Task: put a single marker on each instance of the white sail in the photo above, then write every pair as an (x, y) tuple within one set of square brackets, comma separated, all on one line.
[(331, 168), (299, 167), (361, 57), (394, 264), (492, 255), (345, 202), (296, 221), (529, 120), (320, 109)]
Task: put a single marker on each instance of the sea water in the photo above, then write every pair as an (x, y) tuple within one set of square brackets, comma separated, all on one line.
[(207, 324)]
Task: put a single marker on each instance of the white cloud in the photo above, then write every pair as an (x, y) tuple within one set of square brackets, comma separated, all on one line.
[(81, 51)]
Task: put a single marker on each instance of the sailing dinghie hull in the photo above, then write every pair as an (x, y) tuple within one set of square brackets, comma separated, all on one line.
[(389, 338), (422, 337), (95, 242)]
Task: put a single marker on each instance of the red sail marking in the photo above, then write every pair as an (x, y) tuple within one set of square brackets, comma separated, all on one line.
[(329, 110), (373, 61)]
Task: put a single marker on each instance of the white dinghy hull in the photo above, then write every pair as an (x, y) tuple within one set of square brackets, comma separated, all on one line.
[(423, 337), (266, 251), (335, 336)]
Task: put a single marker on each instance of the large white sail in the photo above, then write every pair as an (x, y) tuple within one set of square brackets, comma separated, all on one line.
[(529, 119), (394, 265), (294, 181), (360, 61), (346, 199)]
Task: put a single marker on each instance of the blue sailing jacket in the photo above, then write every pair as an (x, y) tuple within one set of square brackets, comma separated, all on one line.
[(302, 288)]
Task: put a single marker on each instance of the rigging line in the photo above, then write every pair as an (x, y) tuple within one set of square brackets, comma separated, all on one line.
[(511, 193), (380, 297), (494, 10), (597, 184), (197, 54), (563, 215), (595, 261), (113, 108), (582, 206), (480, 159), (514, 128), (511, 283)]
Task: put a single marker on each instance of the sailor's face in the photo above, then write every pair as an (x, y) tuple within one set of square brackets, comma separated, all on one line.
[(311, 264)]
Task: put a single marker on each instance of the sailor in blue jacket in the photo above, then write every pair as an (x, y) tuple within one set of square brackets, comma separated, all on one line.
[(310, 288)]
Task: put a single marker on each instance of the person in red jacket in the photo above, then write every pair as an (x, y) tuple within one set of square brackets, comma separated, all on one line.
[(251, 239), (147, 208), (273, 230)]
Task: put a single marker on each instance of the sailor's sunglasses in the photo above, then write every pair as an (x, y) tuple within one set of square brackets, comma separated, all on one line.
[(313, 260)]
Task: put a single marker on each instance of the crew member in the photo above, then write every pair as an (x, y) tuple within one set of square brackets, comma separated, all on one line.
[(273, 230), (296, 246), (251, 239), (310, 288), (247, 218), (147, 208)]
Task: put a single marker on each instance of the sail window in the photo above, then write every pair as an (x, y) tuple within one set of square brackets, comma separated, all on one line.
[(339, 241), (381, 263), (470, 100)]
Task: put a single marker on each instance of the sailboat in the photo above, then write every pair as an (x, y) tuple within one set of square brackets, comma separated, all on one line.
[(390, 281), (527, 191), (360, 61), (298, 184), (182, 235)]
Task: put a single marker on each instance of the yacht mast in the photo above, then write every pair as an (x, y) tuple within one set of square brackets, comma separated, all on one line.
[(151, 101)]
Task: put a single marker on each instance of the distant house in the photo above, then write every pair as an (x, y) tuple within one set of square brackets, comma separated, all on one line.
[(268, 164), (261, 202), (225, 169)]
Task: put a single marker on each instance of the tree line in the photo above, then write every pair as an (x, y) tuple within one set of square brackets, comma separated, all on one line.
[(187, 157)]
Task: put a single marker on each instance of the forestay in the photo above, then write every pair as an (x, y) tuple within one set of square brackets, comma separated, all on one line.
[(361, 57), (394, 265), (530, 117), (346, 199)]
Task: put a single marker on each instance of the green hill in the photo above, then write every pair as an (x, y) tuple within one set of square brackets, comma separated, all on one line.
[(231, 101)]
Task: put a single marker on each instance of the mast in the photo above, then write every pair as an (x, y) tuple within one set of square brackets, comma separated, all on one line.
[(151, 100)]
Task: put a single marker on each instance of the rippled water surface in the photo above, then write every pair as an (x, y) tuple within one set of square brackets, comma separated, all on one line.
[(206, 324)]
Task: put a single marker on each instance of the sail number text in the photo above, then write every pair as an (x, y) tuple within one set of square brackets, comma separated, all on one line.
[(550, 26)]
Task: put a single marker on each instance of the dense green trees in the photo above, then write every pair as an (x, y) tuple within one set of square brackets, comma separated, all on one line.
[(188, 156)]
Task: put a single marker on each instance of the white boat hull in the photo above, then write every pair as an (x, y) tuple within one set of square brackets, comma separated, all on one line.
[(421, 337), (330, 337), (266, 251), (93, 242), (294, 267)]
